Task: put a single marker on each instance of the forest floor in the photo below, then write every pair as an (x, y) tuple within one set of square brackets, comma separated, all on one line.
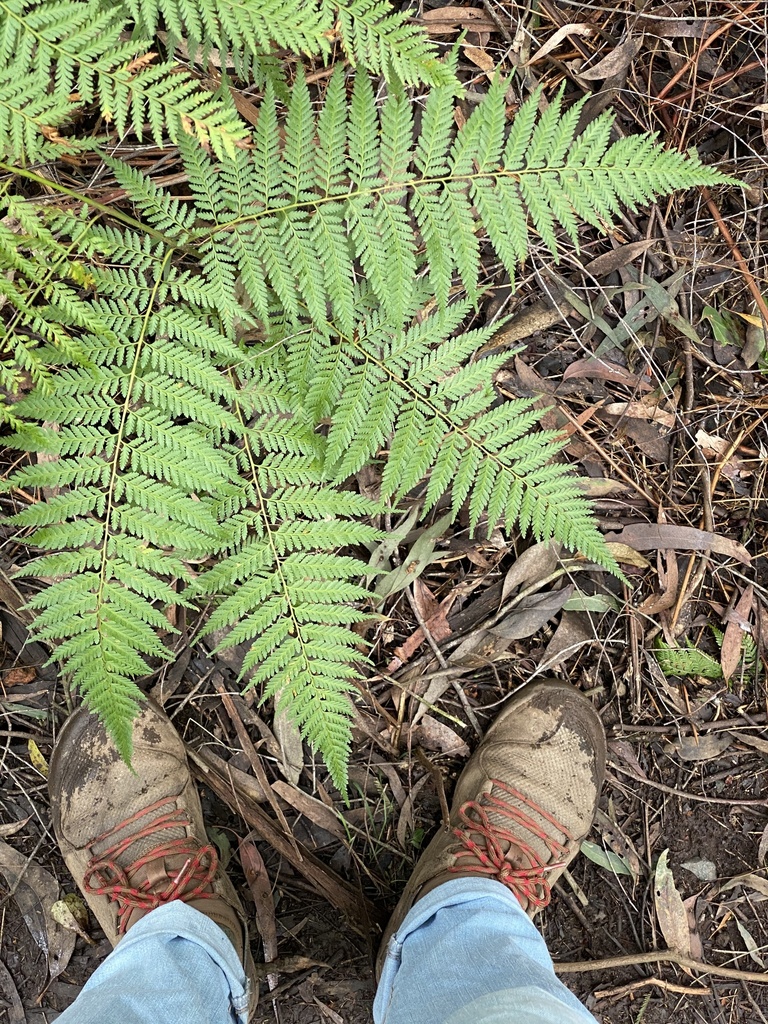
[(648, 349)]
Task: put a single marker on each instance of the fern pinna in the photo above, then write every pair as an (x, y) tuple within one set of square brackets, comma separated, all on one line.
[(183, 358)]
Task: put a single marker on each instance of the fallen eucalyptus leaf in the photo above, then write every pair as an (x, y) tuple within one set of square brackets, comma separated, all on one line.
[(762, 849), (433, 734), (288, 736), (672, 915), (750, 880), (616, 62), (535, 564), (606, 859), (13, 827), (703, 747), (37, 759), (35, 891), (749, 942), (531, 614), (62, 913)]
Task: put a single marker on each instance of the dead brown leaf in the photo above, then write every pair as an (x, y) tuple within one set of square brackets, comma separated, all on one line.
[(35, 891), (603, 369), (628, 556), (261, 891), (647, 536), (703, 747), (614, 63), (531, 614), (669, 579), (315, 810), (640, 411), (571, 29), (619, 257), (479, 57), (573, 631), (534, 565), (444, 21), (672, 915), (738, 625), (16, 676), (432, 734)]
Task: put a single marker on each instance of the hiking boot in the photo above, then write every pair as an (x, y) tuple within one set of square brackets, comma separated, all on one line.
[(135, 840), (523, 804)]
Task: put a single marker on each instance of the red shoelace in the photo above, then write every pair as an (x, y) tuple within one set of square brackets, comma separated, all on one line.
[(489, 854), (105, 877)]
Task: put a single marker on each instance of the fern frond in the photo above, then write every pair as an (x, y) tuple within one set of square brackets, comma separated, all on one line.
[(279, 592), (51, 52)]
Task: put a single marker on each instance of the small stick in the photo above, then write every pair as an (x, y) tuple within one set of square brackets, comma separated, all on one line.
[(736, 253), (728, 24), (689, 796), (668, 986), (661, 956)]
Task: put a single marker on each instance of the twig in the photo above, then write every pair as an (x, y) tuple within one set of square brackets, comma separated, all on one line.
[(736, 253), (253, 756), (688, 796), (661, 956), (442, 662), (497, 21), (725, 27), (604, 454), (437, 778), (633, 986), (361, 914)]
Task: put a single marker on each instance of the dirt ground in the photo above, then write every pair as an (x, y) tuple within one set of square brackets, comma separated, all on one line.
[(647, 348)]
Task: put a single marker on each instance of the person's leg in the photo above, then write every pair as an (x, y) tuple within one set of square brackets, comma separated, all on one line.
[(175, 967), (467, 953), (135, 842), (461, 947)]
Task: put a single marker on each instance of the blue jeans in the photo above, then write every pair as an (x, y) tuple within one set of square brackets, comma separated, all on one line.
[(465, 954)]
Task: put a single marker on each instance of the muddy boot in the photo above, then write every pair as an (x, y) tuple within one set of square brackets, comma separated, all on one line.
[(134, 842), (523, 804)]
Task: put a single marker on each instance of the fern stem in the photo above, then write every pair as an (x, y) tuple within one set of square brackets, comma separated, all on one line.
[(379, 190), (121, 434), (276, 557), (107, 211)]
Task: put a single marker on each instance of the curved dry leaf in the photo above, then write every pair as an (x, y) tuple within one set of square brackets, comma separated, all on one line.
[(432, 734), (614, 63), (731, 647), (649, 536), (762, 849), (703, 747), (35, 891), (443, 21), (670, 911), (572, 29), (62, 914), (535, 564), (291, 746), (640, 411), (531, 614), (627, 555), (13, 1007), (752, 947)]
